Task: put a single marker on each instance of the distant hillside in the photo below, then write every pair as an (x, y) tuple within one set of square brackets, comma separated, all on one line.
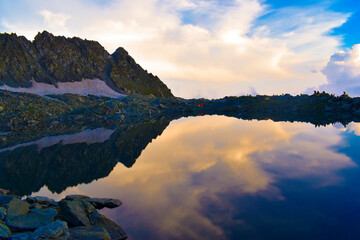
[(52, 59)]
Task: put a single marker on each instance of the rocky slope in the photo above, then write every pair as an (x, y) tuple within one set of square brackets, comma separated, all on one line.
[(51, 59)]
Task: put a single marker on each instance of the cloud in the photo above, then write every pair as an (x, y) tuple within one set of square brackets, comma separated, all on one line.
[(343, 72), (212, 48), (54, 21)]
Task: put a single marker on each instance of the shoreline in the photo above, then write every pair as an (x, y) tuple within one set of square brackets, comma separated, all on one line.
[(74, 217)]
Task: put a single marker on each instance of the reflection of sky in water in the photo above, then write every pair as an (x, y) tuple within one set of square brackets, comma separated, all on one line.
[(224, 178)]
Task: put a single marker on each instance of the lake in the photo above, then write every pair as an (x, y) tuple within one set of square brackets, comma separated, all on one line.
[(209, 177)]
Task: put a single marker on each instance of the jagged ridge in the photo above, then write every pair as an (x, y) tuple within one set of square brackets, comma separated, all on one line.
[(50, 59)]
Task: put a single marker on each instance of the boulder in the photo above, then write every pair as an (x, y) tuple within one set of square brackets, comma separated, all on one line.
[(17, 207), (4, 231), (22, 236), (5, 199), (114, 230), (3, 213), (100, 203), (76, 197), (89, 233), (47, 212), (27, 222), (4, 191), (40, 200), (55, 230), (76, 213)]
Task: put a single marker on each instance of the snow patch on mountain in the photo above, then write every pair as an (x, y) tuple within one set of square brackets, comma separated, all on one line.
[(85, 87)]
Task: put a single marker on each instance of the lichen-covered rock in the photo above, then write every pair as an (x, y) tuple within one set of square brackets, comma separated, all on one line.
[(5, 199), (27, 222), (3, 191), (100, 203), (22, 236), (114, 230), (89, 233), (76, 213), (17, 207), (4, 231), (55, 230), (46, 211), (3, 213)]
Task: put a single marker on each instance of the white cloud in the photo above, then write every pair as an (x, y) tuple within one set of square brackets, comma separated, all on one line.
[(54, 20), (226, 50), (343, 72)]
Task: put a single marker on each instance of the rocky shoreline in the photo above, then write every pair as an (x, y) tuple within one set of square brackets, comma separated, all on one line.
[(74, 217), (31, 113)]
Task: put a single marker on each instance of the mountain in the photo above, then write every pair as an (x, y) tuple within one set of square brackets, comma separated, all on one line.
[(55, 60)]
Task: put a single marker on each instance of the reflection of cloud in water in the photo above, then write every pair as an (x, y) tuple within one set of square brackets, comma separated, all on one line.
[(209, 157), (353, 128)]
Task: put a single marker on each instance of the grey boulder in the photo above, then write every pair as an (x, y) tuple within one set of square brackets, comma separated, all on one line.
[(27, 222), (76, 212), (55, 230)]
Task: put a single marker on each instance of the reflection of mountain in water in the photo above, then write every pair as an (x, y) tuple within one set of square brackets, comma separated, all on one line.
[(73, 159)]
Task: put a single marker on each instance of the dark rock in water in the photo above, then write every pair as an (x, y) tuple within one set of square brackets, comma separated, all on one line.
[(100, 203), (27, 222), (114, 230), (89, 233), (47, 211), (41, 200), (22, 236), (55, 230), (76, 197), (17, 207), (5, 199), (4, 231), (76, 213), (3, 213)]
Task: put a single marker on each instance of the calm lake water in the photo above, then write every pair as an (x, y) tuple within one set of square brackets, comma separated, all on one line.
[(209, 177)]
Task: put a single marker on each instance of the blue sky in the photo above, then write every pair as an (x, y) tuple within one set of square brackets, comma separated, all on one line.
[(212, 48), (348, 30)]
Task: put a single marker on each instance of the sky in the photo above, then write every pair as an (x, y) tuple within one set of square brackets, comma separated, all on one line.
[(213, 48)]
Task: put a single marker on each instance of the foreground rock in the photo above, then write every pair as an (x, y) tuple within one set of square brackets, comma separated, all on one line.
[(100, 203), (74, 217)]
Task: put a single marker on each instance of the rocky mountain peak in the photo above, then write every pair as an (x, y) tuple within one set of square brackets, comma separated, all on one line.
[(50, 59)]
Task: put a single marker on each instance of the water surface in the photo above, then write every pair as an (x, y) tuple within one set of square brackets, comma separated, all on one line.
[(209, 177)]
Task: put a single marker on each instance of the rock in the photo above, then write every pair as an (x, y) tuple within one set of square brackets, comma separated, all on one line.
[(114, 230), (53, 204), (4, 231), (40, 200), (89, 233), (76, 212), (47, 211), (5, 199), (4, 191), (17, 207), (100, 203), (3, 213), (22, 236), (55, 230), (27, 222), (76, 197)]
